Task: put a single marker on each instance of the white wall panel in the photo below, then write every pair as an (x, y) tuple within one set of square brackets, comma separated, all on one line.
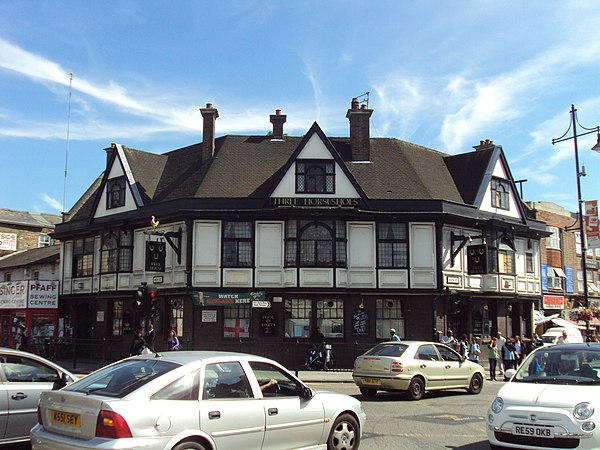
[(422, 255), (361, 245), (269, 244)]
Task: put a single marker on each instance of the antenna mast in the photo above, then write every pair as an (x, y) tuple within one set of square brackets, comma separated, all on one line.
[(64, 212)]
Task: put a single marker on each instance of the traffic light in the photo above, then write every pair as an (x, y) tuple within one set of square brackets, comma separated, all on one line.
[(153, 300), (141, 297)]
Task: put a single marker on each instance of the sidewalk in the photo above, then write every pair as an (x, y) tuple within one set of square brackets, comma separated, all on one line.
[(84, 367)]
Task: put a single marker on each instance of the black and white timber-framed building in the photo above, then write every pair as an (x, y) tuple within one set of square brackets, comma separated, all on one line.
[(251, 242)]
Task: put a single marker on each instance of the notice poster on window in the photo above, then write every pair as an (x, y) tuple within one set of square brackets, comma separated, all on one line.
[(360, 324)]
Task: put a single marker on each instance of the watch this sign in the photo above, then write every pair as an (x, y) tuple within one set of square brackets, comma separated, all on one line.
[(229, 298)]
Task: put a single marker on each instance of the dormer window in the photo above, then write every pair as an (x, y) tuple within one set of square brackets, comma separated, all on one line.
[(315, 177), (500, 193), (115, 193)]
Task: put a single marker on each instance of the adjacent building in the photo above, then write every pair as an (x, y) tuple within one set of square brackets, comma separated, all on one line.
[(251, 242)]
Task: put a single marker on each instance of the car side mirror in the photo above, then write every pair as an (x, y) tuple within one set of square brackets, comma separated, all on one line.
[(307, 393), (463, 358)]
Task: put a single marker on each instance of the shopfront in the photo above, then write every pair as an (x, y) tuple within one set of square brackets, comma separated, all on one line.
[(28, 314)]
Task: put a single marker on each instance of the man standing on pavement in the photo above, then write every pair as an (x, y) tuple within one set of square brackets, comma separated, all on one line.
[(501, 341), (563, 339), (393, 335), (150, 336)]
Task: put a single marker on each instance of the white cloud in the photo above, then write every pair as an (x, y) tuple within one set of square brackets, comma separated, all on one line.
[(52, 202)]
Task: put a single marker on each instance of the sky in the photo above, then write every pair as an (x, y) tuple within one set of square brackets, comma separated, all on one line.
[(76, 76)]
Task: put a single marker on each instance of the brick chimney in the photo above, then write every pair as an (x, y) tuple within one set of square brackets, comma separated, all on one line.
[(278, 120), (209, 114), (485, 145), (359, 131), (109, 152)]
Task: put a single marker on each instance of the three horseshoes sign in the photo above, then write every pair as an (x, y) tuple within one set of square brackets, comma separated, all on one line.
[(477, 259), (156, 254)]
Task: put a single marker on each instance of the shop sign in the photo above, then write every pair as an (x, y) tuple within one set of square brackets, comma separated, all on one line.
[(156, 254), (13, 294), (8, 241), (553, 302), (268, 323), (43, 294), (315, 201), (477, 259), (228, 299), (360, 323)]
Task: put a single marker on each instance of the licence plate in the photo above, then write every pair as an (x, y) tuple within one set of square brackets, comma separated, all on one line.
[(533, 430), (63, 418), (371, 381)]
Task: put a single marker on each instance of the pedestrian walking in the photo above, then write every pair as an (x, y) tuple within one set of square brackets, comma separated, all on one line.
[(563, 339), (150, 336), (137, 344), (394, 336), (493, 358), (173, 342), (463, 345), (508, 355), (474, 350), (519, 350)]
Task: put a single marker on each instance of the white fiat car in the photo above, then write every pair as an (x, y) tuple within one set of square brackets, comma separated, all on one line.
[(196, 401), (551, 401)]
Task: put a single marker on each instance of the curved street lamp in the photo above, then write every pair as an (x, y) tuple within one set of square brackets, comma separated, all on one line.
[(580, 173)]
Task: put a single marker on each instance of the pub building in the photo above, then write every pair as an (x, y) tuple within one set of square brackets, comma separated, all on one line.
[(250, 242)]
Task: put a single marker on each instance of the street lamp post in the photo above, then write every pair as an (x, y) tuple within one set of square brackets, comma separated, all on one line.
[(580, 173)]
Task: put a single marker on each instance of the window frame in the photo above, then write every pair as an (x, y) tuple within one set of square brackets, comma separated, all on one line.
[(392, 246), (44, 240), (237, 313), (240, 242), (392, 317), (553, 241), (300, 253), (311, 172), (120, 257), (500, 193), (83, 257), (115, 192)]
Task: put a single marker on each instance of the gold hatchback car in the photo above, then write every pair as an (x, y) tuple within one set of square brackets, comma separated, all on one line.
[(415, 367)]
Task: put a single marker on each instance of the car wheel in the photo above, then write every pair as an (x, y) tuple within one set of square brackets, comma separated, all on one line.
[(416, 389), (368, 392), (345, 434), (189, 445), (476, 384)]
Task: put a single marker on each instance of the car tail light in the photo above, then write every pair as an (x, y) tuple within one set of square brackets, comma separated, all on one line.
[(39, 414), (112, 425), (397, 367)]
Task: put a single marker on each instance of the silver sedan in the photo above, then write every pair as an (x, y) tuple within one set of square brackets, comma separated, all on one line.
[(415, 367), (196, 401), (23, 377)]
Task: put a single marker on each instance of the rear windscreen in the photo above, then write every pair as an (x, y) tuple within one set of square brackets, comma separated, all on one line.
[(121, 379), (388, 350)]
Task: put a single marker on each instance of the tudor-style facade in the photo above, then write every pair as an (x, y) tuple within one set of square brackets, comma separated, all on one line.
[(264, 238)]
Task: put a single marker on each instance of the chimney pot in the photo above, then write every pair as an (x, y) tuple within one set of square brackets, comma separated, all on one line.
[(278, 120), (360, 139), (484, 145)]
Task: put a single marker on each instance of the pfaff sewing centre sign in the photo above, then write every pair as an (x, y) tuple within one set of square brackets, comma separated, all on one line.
[(29, 294)]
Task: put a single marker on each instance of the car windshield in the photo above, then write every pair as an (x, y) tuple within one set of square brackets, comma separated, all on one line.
[(549, 339), (123, 378), (388, 349), (561, 364)]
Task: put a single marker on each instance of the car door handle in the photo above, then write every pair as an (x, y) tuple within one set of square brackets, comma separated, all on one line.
[(19, 396), (214, 415), (272, 411), (422, 366), (448, 366)]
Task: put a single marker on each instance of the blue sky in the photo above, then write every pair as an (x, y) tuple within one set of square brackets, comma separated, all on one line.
[(442, 74)]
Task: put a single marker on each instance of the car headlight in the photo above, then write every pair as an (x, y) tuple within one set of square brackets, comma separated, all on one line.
[(497, 405), (583, 411)]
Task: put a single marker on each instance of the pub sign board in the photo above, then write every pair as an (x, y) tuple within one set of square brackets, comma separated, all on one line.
[(477, 259), (156, 255), (268, 323)]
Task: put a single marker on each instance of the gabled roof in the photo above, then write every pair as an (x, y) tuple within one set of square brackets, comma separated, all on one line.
[(42, 255), (249, 167), (469, 172)]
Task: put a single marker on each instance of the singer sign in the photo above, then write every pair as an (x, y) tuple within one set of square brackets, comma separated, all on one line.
[(29, 294)]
